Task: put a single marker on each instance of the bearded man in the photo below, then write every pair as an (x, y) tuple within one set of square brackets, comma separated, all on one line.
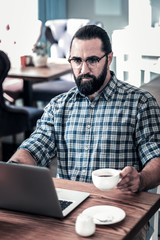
[(101, 123)]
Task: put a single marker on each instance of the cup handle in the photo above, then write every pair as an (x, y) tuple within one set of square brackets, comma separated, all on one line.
[(119, 180)]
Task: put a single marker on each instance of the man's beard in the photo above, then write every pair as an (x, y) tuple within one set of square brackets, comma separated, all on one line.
[(93, 84)]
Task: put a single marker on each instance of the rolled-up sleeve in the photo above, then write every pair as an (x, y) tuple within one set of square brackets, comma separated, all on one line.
[(41, 143), (148, 130)]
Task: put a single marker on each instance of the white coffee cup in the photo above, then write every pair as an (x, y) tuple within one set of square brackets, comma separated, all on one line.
[(106, 178)]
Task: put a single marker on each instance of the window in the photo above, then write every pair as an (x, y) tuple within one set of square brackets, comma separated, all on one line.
[(18, 21)]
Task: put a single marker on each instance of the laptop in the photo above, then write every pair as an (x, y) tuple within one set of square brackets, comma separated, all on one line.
[(31, 189)]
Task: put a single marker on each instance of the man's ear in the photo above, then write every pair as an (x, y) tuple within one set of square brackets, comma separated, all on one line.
[(110, 57)]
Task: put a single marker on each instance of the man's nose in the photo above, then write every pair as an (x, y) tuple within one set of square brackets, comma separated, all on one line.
[(84, 68)]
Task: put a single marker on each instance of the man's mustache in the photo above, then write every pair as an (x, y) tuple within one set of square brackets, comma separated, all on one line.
[(87, 75)]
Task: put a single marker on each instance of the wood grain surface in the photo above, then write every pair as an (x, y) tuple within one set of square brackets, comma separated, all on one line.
[(138, 207)]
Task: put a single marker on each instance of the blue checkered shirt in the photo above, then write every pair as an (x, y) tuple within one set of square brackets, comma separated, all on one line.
[(121, 127)]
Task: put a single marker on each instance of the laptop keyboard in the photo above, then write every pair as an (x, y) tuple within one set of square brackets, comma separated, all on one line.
[(64, 204)]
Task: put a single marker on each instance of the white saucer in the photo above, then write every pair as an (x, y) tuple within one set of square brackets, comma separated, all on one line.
[(105, 215)]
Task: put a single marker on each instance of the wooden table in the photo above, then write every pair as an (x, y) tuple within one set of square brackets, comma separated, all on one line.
[(139, 209), (38, 74)]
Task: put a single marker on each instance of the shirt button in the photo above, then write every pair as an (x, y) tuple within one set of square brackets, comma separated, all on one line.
[(88, 126), (92, 105), (83, 171), (86, 148)]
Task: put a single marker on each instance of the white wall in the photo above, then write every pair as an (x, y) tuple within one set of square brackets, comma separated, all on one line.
[(17, 19), (86, 9)]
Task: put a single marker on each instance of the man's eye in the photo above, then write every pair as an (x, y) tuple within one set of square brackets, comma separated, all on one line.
[(77, 60), (92, 60)]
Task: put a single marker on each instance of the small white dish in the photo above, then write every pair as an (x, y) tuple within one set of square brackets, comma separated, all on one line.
[(105, 214)]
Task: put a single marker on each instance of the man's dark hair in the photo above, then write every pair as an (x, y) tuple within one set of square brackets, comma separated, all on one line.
[(92, 31)]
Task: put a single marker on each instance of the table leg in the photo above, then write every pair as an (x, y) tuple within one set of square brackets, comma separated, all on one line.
[(27, 93)]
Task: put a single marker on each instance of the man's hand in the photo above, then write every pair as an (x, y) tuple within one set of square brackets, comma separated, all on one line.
[(130, 180), (134, 181)]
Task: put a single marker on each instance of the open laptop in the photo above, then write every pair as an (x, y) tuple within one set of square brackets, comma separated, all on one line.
[(31, 189)]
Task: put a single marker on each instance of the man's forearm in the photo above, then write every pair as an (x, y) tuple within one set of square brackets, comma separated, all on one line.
[(150, 175), (23, 156)]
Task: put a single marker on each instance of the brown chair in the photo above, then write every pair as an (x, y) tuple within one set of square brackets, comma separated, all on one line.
[(14, 119), (154, 88)]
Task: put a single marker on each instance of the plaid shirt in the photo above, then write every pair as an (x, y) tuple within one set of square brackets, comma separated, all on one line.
[(121, 127)]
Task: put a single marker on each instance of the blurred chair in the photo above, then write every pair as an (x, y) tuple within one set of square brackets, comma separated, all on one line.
[(45, 91), (154, 221), (59, 33), (12, 89), (14, 119), (154, 88)]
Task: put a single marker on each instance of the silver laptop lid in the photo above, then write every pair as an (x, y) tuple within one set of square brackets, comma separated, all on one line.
[(30, 189)]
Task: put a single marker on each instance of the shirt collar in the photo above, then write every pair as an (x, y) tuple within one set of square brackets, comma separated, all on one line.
[(110, 87)]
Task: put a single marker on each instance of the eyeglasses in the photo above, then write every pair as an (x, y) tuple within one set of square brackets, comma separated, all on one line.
[(91, 62)]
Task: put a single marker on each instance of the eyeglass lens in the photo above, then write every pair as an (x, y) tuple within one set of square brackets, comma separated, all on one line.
[(90, 61)]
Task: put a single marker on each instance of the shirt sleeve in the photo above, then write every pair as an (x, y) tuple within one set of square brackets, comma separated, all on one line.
[(41, 143), (148, 129)]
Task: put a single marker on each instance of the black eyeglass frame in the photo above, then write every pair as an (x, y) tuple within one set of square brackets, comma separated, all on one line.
[(88, 58)]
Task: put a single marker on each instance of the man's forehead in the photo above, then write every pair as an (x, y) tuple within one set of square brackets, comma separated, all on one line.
[(91, 41), (86, 44)]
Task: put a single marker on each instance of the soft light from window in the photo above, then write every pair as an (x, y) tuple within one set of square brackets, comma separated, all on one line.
[(17, 23)]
